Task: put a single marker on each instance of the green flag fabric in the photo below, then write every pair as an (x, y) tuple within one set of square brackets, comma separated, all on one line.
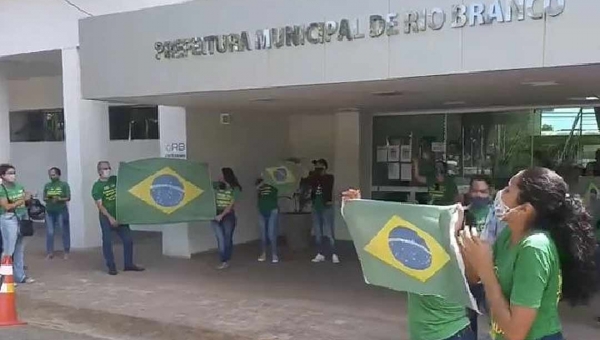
[(409, 248), (285, 177), (163, 190)]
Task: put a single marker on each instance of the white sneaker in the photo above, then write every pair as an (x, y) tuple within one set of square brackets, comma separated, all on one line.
[(262, 257), (318, 258), (275, 259), (223, 265), (335, 259)]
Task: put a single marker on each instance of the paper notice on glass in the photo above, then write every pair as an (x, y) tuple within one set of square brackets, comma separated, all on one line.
[(438, 147), (405, 153), (394, 153), (406, 172), (394, 171), (382, 154)]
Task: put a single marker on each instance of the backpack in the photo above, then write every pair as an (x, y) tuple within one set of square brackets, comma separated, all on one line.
[(36, 210)]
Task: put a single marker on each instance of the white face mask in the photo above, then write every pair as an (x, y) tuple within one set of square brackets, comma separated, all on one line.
[(105, 173), (500, 208)]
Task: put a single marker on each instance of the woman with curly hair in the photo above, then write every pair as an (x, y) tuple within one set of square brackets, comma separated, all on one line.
[(546, 253)]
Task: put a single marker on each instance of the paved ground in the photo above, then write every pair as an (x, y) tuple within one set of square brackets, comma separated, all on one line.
[(38, 333), (189, 299)]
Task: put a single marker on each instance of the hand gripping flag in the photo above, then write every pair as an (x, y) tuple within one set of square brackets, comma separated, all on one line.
[(285, 177), (409, 248), (163, 190)]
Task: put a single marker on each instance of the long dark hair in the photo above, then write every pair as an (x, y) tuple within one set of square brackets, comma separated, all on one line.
[(568, 223), (229, 178)]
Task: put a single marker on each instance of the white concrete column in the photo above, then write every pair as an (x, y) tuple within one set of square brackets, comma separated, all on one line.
[(173, 144), (4, 121), (87, 137), (347, 161)]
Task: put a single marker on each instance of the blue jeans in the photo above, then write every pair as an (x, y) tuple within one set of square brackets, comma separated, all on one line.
[(465, 334), (598, 259), (268, 230), (58, 220), (13, 245), (323, 226), (107, 248), (224, 234)]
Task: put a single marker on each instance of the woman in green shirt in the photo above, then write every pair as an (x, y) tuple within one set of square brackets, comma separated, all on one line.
[(13, 198), (545, 254), (227, 190), (56, 195)]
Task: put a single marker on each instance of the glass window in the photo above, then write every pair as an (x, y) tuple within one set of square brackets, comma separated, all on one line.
[(133, 122), (37, 126)]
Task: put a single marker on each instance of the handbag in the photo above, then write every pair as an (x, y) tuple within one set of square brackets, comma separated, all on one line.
[(25, 225)]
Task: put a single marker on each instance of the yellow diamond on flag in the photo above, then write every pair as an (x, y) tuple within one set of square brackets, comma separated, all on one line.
[(409, 249), (166, 191)]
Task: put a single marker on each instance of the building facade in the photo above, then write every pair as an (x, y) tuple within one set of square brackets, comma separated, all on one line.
[(243, 84)]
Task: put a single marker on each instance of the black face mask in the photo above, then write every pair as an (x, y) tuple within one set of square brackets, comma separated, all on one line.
[(222, 186), (319, 171)]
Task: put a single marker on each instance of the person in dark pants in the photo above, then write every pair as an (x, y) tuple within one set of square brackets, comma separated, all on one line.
[(104, 193), (321, 184), (477, 215)]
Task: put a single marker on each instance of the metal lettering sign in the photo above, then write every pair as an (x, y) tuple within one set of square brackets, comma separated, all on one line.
[(458, 16)]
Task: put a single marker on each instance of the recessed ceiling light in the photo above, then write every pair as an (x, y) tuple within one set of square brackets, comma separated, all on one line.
[(388, 93), (582, 99), (540, 83), (263, 100), (458, 102)]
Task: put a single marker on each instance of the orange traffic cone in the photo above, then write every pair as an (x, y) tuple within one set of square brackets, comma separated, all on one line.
[(8, 305)]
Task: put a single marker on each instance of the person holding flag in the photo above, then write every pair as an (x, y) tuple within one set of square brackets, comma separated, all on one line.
[(430, 317), (104, 193), (545, 254)]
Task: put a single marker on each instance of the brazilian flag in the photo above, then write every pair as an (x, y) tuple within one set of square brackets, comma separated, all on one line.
[(409, 248), (164, 190), (285, 177)]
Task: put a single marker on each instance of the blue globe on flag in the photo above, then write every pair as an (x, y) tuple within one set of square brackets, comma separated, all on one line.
[(280, 175), (167, 191), (409, 248)]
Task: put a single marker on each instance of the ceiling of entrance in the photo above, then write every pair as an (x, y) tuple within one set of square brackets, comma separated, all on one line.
[(562, 86), (31, 65)]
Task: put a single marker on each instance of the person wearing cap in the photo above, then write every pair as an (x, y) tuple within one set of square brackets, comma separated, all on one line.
[(321, 184)]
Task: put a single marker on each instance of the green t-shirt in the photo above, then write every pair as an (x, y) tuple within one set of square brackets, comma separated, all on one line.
[(106, 191), (478, 217), (433, 318), (267, 198), (225, 197), (529, 275), (58, 189), (15, 193), (443, 193)]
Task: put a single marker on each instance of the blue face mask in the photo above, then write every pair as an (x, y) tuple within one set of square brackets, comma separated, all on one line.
[(480, 202)]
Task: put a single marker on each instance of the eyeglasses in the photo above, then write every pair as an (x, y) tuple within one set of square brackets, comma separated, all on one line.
[(105, 169), (11, 173)]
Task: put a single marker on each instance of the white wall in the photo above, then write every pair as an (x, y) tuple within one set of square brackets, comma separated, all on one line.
[(35, 93), (33, 159), (40, 25), (251, 143), (312, 137)]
